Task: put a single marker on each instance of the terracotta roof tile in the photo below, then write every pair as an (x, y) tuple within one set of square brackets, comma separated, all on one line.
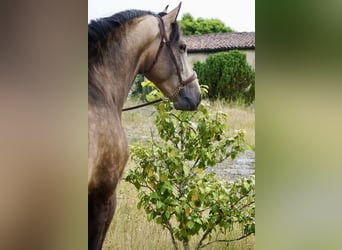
[(220, 42)]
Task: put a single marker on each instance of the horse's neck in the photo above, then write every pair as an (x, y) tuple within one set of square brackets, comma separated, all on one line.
[(120, 67), (114, 77)]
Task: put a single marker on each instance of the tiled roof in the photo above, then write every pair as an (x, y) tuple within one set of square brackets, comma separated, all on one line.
[(220, 42)]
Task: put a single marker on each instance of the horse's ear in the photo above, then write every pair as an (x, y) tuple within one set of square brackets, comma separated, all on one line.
[(171, 17), (165, 10)]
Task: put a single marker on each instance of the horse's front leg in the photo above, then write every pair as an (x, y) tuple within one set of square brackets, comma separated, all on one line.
[(100, 214), (110, 214)]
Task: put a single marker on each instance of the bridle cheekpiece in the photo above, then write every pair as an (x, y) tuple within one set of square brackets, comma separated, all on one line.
[(165, 41)]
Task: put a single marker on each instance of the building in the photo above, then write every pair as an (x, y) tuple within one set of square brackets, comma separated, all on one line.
[(199, 47)]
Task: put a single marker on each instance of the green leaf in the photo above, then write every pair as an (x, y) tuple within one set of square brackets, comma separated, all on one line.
[(154, 195), (246, 186), (160, 204), (159, 220), (150, 216), (167, 214), (198, 221), (173, 203), (147, 83), (190, 224)]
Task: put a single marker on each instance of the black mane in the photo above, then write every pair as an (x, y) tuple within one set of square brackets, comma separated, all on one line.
[(98, 29), (175, 32)]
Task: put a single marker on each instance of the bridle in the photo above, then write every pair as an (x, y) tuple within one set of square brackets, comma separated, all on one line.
[(165, 41)]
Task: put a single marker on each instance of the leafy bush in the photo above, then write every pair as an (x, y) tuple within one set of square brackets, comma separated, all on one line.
[(228, 76), (175, 190)]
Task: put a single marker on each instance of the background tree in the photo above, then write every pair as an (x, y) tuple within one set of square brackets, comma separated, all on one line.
[(192, 26)]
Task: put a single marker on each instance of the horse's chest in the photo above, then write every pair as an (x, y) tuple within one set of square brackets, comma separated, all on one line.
[(108, 152)]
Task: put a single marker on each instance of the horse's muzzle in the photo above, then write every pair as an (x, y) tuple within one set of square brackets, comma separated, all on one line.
[(187, 101)]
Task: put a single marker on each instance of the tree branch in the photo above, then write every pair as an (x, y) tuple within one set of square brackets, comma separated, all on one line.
[(148, 187), (187, 179), (205, 235), (173, 115), (246, 205), (224, 241), (174, 242), (197, 160)]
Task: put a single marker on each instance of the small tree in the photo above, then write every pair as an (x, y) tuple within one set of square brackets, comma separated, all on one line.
[(174, 188)]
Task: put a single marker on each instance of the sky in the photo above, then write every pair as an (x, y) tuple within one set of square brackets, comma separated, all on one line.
[(237, 14)]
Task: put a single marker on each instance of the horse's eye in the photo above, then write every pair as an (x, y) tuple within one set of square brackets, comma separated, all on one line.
[(182, 47)]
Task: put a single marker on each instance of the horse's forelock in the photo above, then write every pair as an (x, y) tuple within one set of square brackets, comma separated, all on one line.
[(175, 32)]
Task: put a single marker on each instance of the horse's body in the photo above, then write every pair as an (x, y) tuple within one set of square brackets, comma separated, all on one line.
[(120, 47)]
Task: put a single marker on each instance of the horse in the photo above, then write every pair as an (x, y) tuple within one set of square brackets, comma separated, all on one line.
[(120, 47)]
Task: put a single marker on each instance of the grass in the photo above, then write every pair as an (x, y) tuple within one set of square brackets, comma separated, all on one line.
[(129, 229), (238, 117)]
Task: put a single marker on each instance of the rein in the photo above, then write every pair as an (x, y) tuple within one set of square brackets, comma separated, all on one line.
[(165, 41), (143, 105)]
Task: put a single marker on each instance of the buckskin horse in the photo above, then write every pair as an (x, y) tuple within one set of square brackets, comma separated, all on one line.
[(120, 47)]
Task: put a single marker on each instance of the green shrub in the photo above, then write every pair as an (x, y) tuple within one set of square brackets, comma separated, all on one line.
[(228, 76)]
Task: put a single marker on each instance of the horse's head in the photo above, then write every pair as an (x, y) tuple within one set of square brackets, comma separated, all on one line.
[(167, 64)]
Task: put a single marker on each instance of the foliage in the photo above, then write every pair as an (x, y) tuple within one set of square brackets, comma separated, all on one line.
[(154, 93), (191, 26), (228, 76), (174, 188), (138, 90)]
